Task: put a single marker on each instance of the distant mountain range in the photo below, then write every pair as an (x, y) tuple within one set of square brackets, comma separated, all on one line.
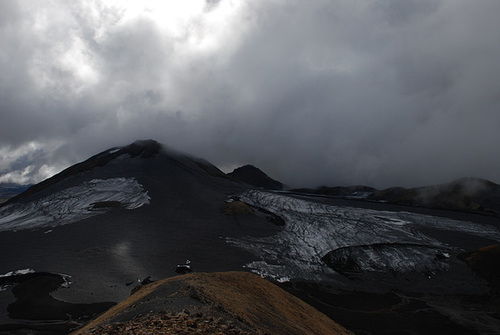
[(466, 195), (131, 215), (9, 190)]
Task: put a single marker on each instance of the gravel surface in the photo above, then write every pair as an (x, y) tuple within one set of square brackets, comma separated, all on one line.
[(184, 322)]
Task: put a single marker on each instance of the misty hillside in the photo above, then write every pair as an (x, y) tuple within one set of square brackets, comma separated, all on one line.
[(465, 195)]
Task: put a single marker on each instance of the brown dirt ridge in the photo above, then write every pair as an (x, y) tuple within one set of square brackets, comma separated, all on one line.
[(212, 303)]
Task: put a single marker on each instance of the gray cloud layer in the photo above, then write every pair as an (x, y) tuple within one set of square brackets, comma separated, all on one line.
[(379, 92)]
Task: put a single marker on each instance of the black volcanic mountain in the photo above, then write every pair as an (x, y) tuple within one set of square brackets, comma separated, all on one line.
[(252, 175), (185, 195), (123, 215)]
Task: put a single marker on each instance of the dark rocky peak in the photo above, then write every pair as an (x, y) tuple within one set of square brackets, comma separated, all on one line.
[(142, 148), (251, 175)]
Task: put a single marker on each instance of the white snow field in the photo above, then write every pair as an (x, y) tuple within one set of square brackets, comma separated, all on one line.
[(73, 204)]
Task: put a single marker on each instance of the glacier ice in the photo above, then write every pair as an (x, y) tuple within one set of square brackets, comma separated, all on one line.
[(313, 230), (73, 204)]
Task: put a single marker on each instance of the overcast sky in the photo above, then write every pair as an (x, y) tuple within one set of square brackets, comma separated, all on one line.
[(335, 92)]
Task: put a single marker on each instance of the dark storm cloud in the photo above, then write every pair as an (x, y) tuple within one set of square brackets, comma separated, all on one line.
[(321, 92)]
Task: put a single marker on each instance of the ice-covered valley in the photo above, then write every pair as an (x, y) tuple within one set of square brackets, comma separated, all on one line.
[(347, 238), (72, 204)]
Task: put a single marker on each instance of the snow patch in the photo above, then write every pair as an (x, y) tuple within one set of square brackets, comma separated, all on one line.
[(268, 271), (13, 273), (67, 280), (74, 204), (17, 272)]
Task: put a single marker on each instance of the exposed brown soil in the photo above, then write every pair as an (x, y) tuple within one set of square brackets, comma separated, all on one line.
[(213, 303), (236, 208)]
